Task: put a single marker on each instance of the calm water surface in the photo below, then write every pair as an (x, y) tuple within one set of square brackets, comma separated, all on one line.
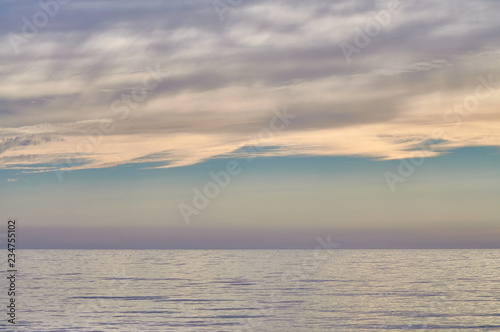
[(257, 290)]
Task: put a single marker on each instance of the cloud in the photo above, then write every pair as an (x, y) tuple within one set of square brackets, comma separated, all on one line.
[(22, 142), (216, 83)]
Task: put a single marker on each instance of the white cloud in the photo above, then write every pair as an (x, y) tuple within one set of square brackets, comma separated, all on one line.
[(225, 77)]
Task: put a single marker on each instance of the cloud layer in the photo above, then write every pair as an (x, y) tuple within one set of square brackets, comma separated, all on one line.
[(103, 84)]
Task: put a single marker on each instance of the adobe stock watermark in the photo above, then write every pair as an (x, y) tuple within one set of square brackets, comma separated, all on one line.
[(292, 279), (220, 180), (363, 35), (121, 109), (223, 6), (30, 28), (310, 266), (460, 111)]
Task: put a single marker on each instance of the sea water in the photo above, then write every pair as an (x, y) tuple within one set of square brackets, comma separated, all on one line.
[(256, 290)]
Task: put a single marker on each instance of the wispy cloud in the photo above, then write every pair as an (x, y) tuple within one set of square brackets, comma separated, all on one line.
[(224, 79)]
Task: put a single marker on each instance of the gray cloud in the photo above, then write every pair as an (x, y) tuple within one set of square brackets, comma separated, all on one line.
[(222, 78), (19, 142)]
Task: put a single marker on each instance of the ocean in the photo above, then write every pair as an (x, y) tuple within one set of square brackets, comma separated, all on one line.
[(256, 290)]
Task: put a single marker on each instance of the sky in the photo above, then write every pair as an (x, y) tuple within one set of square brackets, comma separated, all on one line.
[(250, 124)]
